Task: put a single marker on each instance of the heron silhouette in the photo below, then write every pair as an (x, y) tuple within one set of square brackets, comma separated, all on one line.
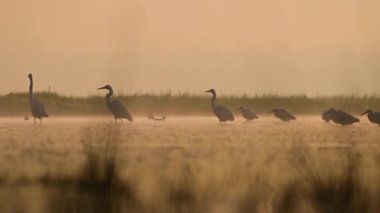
[(37, 108), (221, 112), (283, 114), (115, 106), (374, 117), (248, 114), (340, 117)]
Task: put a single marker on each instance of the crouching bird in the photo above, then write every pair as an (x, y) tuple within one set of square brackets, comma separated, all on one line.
[(340, 117), (248, 114), (283, 114)]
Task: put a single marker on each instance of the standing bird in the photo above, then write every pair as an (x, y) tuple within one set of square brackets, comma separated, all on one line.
[(220, 111), (37, 108), (283, 114), (340, 117), (115, 106), (374, 117), (247, 113)]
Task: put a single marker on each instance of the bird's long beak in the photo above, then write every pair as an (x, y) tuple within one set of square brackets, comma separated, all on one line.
[(208, 91), (271, 111), (364, 113), (102, 87)]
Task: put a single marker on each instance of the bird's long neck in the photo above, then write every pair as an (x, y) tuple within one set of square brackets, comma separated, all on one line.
[(213, 100), (108, 97), (31, 88)]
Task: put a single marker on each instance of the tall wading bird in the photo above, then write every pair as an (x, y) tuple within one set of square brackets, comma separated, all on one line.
[(220, 111), (115, 106), (283, 114), (374, 117), (37, 108), (340, 117), (247, 113)]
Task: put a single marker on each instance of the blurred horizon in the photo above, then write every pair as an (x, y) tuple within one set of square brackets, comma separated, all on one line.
[(279, 47)]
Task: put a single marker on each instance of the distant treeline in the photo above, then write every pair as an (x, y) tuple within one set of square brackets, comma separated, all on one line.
[(183, 104)]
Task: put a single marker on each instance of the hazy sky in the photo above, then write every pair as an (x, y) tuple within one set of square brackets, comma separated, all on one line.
[(317, 47)]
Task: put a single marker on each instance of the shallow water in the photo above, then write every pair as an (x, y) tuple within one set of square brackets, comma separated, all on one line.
[(57, 142)]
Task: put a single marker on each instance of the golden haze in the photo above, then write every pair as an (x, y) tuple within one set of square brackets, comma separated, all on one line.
[(275, 46)]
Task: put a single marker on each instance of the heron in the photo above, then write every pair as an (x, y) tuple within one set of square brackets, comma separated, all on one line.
[(374, 117), (283, 114), (115, 106), (220, 111), (340, 117), (37, 108), (247, 113)]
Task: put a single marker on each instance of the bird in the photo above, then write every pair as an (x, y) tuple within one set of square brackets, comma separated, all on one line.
[(340, 117), (37, 108), (151, 116), (326, 116), (374, 117), (221, 112), (283, 114), (115, 106), (247, 113)]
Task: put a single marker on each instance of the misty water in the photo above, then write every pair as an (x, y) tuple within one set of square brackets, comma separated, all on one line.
[(57, 142)]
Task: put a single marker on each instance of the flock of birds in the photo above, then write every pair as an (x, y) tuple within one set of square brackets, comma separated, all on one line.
[(222, 113), (337, 116)]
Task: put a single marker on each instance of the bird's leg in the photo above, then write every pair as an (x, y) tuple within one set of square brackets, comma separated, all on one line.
[(115, 121), (34, 120), (40, 121)]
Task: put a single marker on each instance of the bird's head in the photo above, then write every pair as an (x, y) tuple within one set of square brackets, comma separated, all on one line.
[(29, 75), (211, 91), (107, 87), (331, 110), (366, 112)]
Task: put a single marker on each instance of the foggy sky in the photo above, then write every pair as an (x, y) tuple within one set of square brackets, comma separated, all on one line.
[(313, 47)]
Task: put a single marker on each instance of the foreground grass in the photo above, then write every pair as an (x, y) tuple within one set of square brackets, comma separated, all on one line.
[(119, 174), (183, 104)]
